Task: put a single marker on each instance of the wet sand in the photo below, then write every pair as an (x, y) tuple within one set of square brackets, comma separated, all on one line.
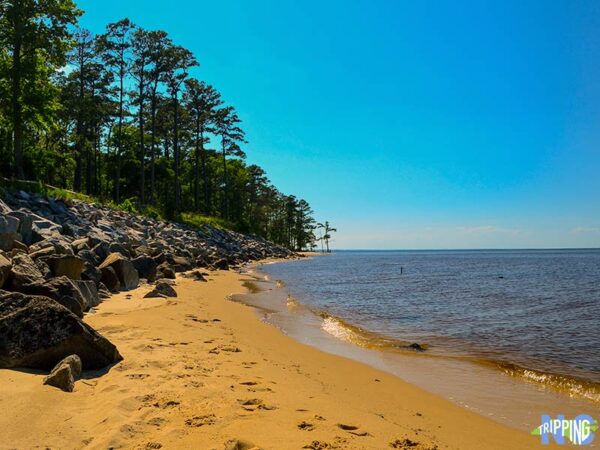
[(200, 370)]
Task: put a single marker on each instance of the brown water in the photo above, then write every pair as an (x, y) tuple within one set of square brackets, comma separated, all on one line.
[(515, 391)]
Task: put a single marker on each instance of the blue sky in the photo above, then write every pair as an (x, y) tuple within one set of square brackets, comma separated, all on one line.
[(410, 124)]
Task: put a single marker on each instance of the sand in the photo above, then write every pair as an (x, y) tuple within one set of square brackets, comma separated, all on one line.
[(200, 370)]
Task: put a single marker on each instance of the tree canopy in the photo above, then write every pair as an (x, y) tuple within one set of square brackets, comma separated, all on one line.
[(119, 117)]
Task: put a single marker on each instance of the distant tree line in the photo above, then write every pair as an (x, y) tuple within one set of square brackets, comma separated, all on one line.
[(118, 116)]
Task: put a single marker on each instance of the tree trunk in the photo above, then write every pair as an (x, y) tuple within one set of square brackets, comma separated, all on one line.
[(205, 186), (152, 146), (142, 146), (79, 133), (225, 190), (197, 167), (120, 135), (17, 111), (176, 151)]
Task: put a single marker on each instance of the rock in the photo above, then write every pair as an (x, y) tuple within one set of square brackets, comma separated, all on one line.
[(9, 224), (5, 265), (89, 293), (65, 373), (60, 289), (161, 290), (42, 252), (91, 273), (180, 263), (23, 272), (36, 332), (70, 266), (103, 291), (128, 276), (110, 279), (80, 244), (25, 225), (221, 264), (7, 240), (165, 271), (115, 247), (146, 267)]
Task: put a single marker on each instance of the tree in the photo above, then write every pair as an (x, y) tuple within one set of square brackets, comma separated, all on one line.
[(327, 234), (226, 126), (141, 49), (179, 60), (81, 57), (201, 100), (114, 47), (36, 34), (158, 42)]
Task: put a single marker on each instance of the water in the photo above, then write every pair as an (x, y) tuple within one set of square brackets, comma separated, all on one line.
[(527, 314)]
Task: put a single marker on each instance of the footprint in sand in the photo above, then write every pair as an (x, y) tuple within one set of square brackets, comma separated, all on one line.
[(137, 376), (224, 348), (409, 444), (305, 426), (156, 422), (353, 430), (166, 404), (199, 421)]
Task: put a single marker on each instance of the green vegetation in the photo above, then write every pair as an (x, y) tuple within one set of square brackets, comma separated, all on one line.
[(117, 118)]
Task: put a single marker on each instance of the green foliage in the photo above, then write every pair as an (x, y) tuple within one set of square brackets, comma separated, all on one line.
[(199, 221), (117, 119)]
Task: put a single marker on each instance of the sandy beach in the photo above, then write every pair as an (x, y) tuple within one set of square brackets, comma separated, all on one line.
[(202, 372)]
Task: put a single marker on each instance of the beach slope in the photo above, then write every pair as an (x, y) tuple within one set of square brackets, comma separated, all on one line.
[(202, 372)]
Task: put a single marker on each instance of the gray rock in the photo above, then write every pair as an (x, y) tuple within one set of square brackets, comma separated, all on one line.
[(9, 224), (60, 289), (25, 225), (70, 266), (110, 279), (7, 240), (36, 332), (5, 265), (65, 373), (146, 267), (23, 272), (164, 271), (161, 290), (128, 276), (89, 293)]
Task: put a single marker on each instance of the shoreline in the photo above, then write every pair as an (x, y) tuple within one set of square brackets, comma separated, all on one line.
[(534, 392), (199, 371)]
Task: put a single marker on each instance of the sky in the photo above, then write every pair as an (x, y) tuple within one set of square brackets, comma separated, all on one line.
[(410, 125)]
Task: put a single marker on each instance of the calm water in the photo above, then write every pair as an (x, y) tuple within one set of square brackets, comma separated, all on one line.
[(531, 312)]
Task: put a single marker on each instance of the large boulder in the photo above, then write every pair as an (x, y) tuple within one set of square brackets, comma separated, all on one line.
[(110, 279), (25, 225), (128, 276), (5, 266), (146, 267), (89, 292), (60, 289), (24, 271), (9, 224), (70, 266), (36, 332)]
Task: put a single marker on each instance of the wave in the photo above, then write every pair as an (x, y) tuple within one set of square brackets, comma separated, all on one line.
[(345, 331), (575, 387), (354, 334)]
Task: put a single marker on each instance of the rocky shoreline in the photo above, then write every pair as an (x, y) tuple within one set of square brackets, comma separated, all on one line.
[(61, 258)]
